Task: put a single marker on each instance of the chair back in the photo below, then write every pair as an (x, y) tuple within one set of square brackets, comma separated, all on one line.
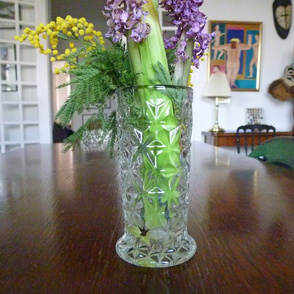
[(253, 135)]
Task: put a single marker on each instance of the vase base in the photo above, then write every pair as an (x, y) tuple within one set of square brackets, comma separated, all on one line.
[(146, 256)]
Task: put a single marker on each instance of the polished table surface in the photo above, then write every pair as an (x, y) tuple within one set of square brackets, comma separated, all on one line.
[(60, 216)]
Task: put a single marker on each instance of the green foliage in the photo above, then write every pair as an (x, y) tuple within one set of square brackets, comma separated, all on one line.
[(163, 77), (94, 80), (170, 55)]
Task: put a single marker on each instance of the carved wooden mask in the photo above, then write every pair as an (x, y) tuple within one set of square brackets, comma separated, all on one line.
[(282, 12)]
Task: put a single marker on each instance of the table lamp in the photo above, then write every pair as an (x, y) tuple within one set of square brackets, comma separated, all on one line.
[(219, 89)]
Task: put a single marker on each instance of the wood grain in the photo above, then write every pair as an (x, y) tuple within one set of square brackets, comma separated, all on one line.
[(229, 138), (60, 217)]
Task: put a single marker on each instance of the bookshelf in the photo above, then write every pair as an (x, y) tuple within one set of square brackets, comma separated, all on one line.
[(23, 94)]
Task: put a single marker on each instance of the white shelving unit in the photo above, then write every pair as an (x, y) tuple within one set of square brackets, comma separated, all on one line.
[(23, 73)]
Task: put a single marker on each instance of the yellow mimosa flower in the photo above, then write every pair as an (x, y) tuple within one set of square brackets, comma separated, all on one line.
[(89, 31), (79, 30), (59, 19), (27, 30)]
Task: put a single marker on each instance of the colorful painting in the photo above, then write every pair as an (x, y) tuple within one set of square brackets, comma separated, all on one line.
[(236, 50)]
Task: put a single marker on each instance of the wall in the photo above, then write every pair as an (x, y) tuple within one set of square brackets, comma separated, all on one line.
[(90, 9), (276, 54), (43, 80)]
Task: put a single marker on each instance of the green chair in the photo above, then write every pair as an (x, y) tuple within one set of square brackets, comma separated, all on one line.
[(279, 150)]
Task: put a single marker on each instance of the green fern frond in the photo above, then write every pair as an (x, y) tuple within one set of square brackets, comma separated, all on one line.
[(170, 55), (164, 78), (66, 112), (94, 79), (161, 74), (111, 131)]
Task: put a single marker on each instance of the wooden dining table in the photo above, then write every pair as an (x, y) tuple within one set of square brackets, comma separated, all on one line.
[(61, 215)]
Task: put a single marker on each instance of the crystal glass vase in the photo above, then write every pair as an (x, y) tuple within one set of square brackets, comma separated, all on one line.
[(154, 138)]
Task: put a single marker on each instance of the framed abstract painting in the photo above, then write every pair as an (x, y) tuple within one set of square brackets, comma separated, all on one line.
[(236, 50)]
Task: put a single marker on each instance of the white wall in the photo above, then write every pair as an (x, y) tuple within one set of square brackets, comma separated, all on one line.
[(275, 55), (43, 80)]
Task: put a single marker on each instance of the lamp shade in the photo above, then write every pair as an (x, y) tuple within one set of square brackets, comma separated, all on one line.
[(217, 86)]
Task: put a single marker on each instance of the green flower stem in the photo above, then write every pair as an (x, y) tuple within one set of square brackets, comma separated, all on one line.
[(144, 55), (161, 152), (182, 68), (161, 160)]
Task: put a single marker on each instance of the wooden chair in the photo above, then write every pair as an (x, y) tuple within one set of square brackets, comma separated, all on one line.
[(60, 133), (279, 150), (253, 135)]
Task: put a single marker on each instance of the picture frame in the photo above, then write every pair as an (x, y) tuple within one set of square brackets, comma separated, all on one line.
[(254, 116), (85, 117), (236, 50)]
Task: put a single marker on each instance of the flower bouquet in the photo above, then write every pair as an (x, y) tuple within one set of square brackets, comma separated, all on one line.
[(152, 123)]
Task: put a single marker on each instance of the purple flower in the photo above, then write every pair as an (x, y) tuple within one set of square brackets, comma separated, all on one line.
[(171, 42), (190, 22), (125, 16), (140, 32), (180, 52)]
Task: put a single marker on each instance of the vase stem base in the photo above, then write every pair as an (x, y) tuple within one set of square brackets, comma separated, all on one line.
[(150, 256)]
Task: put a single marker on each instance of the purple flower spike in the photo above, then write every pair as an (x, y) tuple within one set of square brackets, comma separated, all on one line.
[(188, 19), (124, 16), (180, 52), (140, 32)]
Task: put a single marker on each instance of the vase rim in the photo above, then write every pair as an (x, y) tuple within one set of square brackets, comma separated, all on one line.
[(155, 86)]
